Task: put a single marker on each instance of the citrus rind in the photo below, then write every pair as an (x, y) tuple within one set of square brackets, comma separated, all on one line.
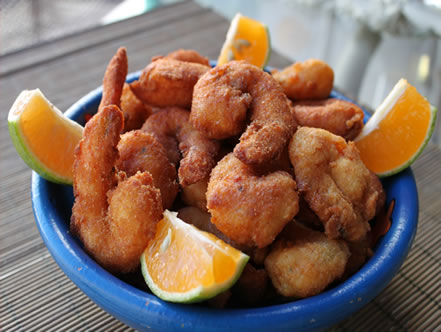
[(230, 39), (433, 116), (199, 293), (20, 143), (383, 110)]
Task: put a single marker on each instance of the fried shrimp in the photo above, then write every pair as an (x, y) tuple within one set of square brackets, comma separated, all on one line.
[(249, 207), (139, 151), (117, 92), (168, 82), (171, 127), (114, 216), (227, 95), (338, 187), (340, 117), (311, 79), (303, 262), (114, 79), (135, 111), (185, 55)]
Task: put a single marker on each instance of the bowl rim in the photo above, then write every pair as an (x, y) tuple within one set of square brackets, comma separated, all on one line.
[(141, 310)]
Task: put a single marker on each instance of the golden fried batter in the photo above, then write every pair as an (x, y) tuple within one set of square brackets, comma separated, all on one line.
[(113, 216), (338, 187), (168, 82), (114, 79), (171, 126), (139, 151), (340, 117), (311, 79), (134, 110), (227, 96), (248, 207), (303, 262)]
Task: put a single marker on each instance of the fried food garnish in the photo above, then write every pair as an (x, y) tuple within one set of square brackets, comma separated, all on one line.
[(114, 216), (171, 126), (311, 79), (340, 117), (114, 79), (227, 96), (303, 262), (168, 82), (338, 187), (249, 207), (139, 151)]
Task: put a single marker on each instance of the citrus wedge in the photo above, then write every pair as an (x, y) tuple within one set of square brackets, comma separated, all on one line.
[(43, 137), (246, 39), (397, 132), (184, 264)]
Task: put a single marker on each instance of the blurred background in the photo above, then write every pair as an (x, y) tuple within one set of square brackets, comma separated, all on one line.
[(370, 44)]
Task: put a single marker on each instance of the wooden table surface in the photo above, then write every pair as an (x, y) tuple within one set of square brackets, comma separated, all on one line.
[(36, 295)]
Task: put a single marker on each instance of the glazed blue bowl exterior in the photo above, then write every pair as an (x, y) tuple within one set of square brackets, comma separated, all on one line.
[(52, 206)]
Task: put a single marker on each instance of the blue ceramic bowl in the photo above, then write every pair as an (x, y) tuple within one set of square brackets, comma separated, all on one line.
[(52, 206)]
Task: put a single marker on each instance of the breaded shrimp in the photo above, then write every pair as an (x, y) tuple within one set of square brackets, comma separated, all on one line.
[(171, 126), (303, 262), (114, 79), (186, 56), (227, 95), (311, 79), (134, 110), (168, 82), (249, 207), (117, 92), (113, 216), (340, 117), (139, 151), (338, 187)]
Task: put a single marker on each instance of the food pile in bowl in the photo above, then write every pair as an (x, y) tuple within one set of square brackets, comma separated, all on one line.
[(226, 184), (227, 149)]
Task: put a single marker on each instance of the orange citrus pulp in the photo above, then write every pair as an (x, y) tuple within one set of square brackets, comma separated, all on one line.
[(247, 39), (184, 264), (43, 136), (393, 138)]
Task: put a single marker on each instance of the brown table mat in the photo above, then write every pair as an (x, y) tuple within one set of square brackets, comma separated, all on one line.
[(34, 292)]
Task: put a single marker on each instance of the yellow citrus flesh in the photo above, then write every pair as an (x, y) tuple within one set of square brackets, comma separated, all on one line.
[(247, 39), (398, 133), (44, 138), (184, 264)]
